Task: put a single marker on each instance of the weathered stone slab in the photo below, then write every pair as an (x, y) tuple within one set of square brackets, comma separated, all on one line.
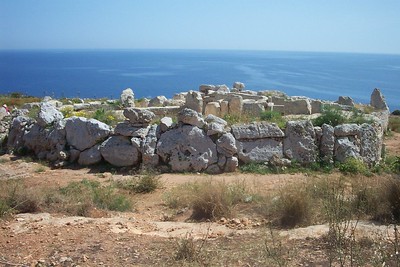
[(226, 145), (191, 117), (90, 156), (327, 143), (119, 151), (261, 150), (348, 129), (346, 147), (257, 130)]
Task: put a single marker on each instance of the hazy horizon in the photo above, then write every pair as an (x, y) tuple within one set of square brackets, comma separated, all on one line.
[(341, 26)]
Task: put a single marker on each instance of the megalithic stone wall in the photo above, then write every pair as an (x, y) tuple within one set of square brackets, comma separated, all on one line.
[(193, 144)]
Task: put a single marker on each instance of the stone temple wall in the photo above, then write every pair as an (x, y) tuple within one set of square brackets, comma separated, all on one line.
[(192, 144)]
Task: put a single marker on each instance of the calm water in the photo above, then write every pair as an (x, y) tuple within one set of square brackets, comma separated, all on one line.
[(165, 72)]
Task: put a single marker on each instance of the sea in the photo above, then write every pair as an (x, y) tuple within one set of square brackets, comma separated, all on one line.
[(150, 73)]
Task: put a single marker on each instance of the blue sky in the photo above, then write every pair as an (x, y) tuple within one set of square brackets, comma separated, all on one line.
[(307, 25)]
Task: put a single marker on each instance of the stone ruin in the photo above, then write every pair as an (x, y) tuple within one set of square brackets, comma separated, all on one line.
[(196, 142)]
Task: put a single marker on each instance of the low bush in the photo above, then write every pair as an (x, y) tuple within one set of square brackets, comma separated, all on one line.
[(17, 99), (274, 117), (106, 116), (330, 115), (209, 199), (353, 166), (394, 124), (145, 183), (396, 112)]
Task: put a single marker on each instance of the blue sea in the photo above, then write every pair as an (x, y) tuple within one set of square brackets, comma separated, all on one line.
[(105, 73)]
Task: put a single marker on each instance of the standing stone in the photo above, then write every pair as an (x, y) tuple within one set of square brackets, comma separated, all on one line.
[(224, 108), (299, 143), (298, 106), (252, 108), (259, 150), (119, 151), (194, 100), (378, 100), (370, 144), (213, 108), (149, 156), (48, 114), (128, 98), (82, 133), (235, 105), (90, 156), (346, 147), (257, 130), (327, 143)]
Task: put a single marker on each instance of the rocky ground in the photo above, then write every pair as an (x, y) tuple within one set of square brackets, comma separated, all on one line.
[(149, 236)]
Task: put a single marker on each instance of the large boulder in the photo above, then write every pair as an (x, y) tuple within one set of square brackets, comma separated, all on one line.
[(348, 129), (252, 107), (128, 98), (194, 100), (235, 105), (378, 100), (48, 114), (231, 164), (82, 133), (213, 108), (346, 147), (119, 151), (299, 144), (260, 150), (222, 88), (187, 148), (257, 130), (298, 106), (36, 140), (191, 117), (19, 126), (90, 156), (139, 117), (206, 88)]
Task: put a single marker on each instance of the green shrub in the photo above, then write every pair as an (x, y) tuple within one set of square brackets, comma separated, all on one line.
[(330, 115), (353, 166), (396, 112), (106, 116), (394, 124), (274, 117)]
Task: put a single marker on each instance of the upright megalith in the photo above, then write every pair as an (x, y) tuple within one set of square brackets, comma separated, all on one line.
[(128, 98), (300, 144), (378, 100), (194, 100)]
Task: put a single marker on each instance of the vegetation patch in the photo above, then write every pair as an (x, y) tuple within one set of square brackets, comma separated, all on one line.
[(144, 183)]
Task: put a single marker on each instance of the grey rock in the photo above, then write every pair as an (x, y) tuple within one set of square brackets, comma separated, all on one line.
[(378, 100), (119, 151), (235, 105), (206, 88), (158, 101), (297, 106), (149, 156), (253, 108), (221, 161), (90, 156), (137, 142), (327, 143), (226, 145), (127, 129), (257, 130), (370, 144), (82, 133), (260, 150), (299, 143), (213, 169), (212, 118), (73, 154), (139, 116), (191, 117), (48, 114), (214, 128), (346, 147), (81, 106), (128, 98), (345, 100), (187, 148), (348, 129), (19, 126), (239, 86), (222, 88), (194, 101), (166, 123), (36, 140), (224, 108), (231, 164)]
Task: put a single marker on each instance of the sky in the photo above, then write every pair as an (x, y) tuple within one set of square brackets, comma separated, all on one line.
[(364, 26)]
